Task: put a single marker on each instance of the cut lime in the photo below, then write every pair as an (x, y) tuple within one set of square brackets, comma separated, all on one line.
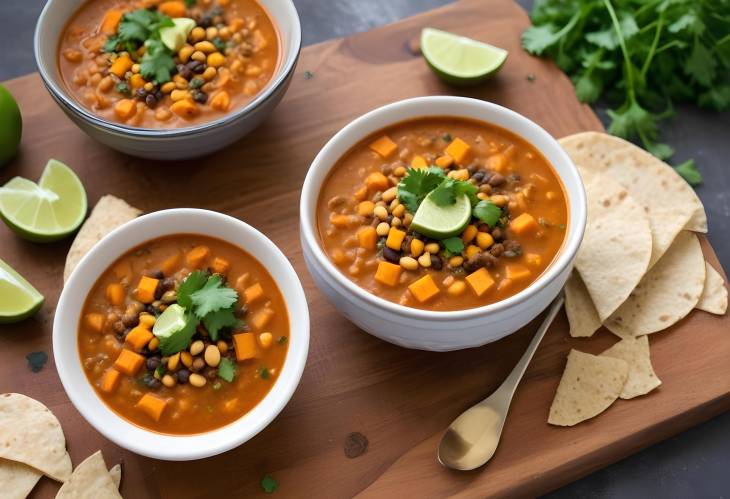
[(18, 299), (170, 322), (11, 126), (47, 211), (441, 222), (460, 60)]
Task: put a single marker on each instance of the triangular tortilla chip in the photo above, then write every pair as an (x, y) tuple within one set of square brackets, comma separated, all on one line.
[(31, 434), (590, 384), (90, 480), (116, 473), (616, 247), (670, 202), (579, 308), (635, 351), (108, 214), (714, 294), (666, 294), (17, 479)]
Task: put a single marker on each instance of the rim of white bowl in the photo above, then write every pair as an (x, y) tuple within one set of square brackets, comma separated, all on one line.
[(418, 107), (59, 93), (136, 438)]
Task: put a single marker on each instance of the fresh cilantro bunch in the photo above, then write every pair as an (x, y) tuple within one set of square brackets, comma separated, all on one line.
[(641, 56)]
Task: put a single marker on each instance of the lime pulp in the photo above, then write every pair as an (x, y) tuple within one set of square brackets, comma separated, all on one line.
[(11, 126), (441, 222), (18, 299), (170, 322)]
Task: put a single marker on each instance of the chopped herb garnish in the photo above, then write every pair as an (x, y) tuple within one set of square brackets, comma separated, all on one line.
[(449, 189), (453, 246), (213, 296), (487, 212), (531, 77), (227, 369), (447, 137), (123, 88), (190, 3), (561, 226), (688, 170), (160, 371), (264, 372), (209, 408), (416, 185), (179, 341), (157, 62), (217, 386), (192, 283), (308, 75), (36, 360), (219, 44), (196, 83), (268, 484), (282, 340)]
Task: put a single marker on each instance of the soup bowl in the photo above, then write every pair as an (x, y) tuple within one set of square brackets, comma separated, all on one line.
[(174, 143), (66, 325), (430, 329)]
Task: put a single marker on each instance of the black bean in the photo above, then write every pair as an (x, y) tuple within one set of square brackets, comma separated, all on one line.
[(118, 327), (436, 262), (512, 248), (483, 228), (130, 320), (497, 234), (185, 71), (154, 273), (158, 95), (182, 376), (151, 101), (391, 255), (158, 292), (471, 169), (200, 97), (167, 284), (211, 373), (153, 362), (153, 382), (478, 176), (497, 249), (389, 219), (194, 67), (496, 180), (200, 68)]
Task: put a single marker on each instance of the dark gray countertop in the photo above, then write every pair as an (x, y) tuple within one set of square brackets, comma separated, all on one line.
[(693, 464)]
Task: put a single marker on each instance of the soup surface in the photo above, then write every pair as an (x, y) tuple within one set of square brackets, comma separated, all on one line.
[(442, 214), (183, 334), (167, 64)]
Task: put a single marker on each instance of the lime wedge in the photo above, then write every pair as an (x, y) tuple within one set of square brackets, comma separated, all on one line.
[(18, 299), (441, 222), (460, 60), (170, 322), (47, 211)]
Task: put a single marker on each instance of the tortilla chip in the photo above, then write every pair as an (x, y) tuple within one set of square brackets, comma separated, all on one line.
[(635, 351), (616, 247), (116, 473), (579, 308), (714, 294), (90, 480), (590, 384), (666, 294), (108, 214), (17, 479), (670, 202), (31, 434)]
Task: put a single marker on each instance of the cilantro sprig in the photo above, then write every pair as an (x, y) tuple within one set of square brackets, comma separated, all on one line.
[(487, 212), (420, 182)]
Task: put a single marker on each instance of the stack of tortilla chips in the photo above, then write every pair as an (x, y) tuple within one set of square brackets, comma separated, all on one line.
[(640, 269)]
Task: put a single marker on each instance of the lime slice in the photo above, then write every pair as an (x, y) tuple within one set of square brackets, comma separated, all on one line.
[(47, 211), (11, 126), (170, 322), (459, 60), (441, 222), (18, 299)]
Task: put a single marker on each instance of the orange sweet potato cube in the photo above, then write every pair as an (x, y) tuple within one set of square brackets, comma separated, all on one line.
[(458, 149), (115, 294), (253, 293), (444, 161), (171, 264), (516, 272), (128, 362), (152, 405), (110, 381), (146, 289), (480, 281), (138, 337), (384, 146), (395, 238), (424, 289), (220, 265), (245, 346), (387, 273), (110, 22), (376, 181), (368, 238), (523, 224), (196, 257), (125, 108), (95, 322), (418, 161)]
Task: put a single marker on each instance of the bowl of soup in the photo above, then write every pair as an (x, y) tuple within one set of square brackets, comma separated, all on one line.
[(167, 79), (181, 334), (441, 223)]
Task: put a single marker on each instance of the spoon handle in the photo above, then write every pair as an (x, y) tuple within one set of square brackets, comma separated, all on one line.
[(507, 389)]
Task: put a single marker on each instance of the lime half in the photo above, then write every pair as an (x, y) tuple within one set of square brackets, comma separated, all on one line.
[(170, 322), (47, 211), (18, 299), (441, 222), (460, 60), (11, 126)]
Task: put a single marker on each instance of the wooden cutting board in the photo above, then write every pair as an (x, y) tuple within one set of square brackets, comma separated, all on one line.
[(401, 400)]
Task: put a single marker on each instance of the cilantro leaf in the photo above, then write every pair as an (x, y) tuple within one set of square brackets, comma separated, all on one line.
[(190, 3), (212, 297), (179, 340), (157, 63), (192, 283), (453, 246), (449, 189), (215, 321), (416, 185), (701, 64), (268, 484), (688, 170), (487, 212), (227, 369)]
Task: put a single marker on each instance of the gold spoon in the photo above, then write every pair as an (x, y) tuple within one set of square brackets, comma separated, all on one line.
[(473, 437)]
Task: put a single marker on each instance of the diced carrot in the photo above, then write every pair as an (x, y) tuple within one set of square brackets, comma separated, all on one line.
[(480, 281), (220, 265), (533, 259), (125, 109), (115, 294), (172, 8), (365, 208), (221, 101), (110, 381), (523, 224), (171, 264), (516, 272), (185, 108), (245, 346), (387, 273), (368, 238), (418, 161), (95, 322), (424, 289), (497, 162), (138, 337), (152, 405), (458, 149), (146, 289), (253, 293), (444, 161), (196, 257), (384, 146), (262, 318), (128, 362), (110, 22), (121, 65), (376, 181), (395, 238)]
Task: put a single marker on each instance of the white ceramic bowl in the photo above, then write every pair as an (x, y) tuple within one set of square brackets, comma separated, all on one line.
[(431, 330), (174, 143), (145, 228)]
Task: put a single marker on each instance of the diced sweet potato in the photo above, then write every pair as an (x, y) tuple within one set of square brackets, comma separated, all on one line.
[(221, 101), (245, 346), (458, 149), (173, 8), (115, 294), (220, 265), (121, 65), (128, 362), (368, 238), (152, 405), (146, 289), (484, 240), (533, 259), (138, 337), (523, 224), (125, 109), (376, 181), (261, 318), (384, 146), (171, 264), (95, 322), (497, 162), (395, 238), (110, 381), (361, 193), (444, 161), (516, 272), (471, 250), (387, 273), (185, 109), (136, 81), (480, 281), (253, 293), (196, 257), (424, 289), (418, 161), (110, 22)]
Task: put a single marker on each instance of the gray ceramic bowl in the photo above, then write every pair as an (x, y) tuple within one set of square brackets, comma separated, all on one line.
[(178, 143)]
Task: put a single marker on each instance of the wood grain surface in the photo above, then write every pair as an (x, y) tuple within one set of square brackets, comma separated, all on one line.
[(401, 400)]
